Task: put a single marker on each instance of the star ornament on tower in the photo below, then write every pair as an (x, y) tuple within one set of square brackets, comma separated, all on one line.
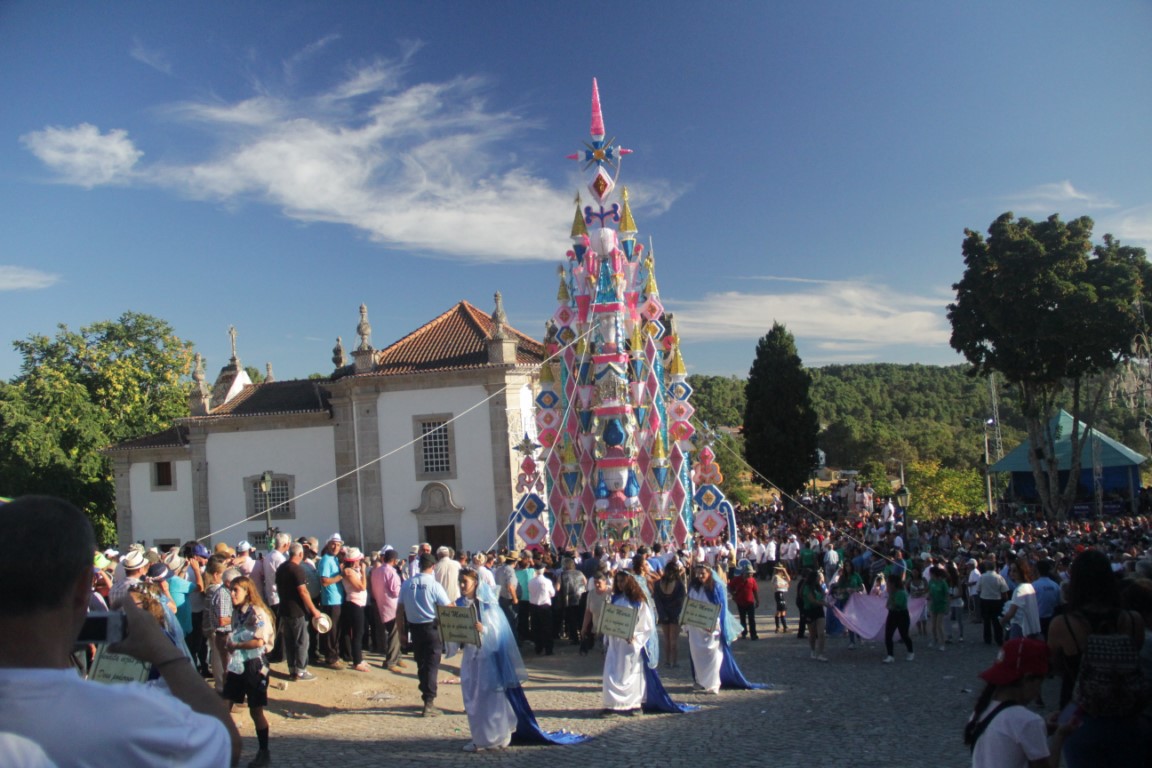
[(599, 152), (528, 446)]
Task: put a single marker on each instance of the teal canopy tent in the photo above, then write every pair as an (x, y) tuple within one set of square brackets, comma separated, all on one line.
[(1104, 461)]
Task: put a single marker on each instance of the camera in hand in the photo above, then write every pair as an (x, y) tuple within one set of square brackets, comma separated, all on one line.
[(102, 628)]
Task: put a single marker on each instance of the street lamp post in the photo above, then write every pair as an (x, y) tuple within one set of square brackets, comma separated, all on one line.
[(266, 489), (988, 466)]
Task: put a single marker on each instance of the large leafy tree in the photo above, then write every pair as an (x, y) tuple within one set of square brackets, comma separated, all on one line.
[(1049, 311), (780, 426), (78, 393)]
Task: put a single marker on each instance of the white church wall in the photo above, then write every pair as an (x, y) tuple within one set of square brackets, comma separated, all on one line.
[(306, 454), (527, 418), (471, 485), (161, 515)]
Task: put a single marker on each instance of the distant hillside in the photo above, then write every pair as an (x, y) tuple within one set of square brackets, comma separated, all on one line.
[(883, 411)]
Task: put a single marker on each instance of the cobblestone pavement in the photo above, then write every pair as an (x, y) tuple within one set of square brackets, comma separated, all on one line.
[(853, 710)]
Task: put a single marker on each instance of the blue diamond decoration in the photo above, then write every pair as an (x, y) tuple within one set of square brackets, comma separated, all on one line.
[(679, 390), (530, 506), (547, 399)]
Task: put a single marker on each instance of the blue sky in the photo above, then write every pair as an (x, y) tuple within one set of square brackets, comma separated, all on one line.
[(274, 165)]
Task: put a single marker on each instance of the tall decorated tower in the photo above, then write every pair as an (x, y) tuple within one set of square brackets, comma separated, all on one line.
[(613, 413)]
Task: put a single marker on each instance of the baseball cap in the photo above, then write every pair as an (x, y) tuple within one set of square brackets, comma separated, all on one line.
[(1018, 658)]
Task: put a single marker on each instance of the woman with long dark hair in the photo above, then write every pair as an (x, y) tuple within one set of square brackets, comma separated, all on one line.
[(814, 607), (1109, 733), (898, 618), (624, 683), (668, 595)]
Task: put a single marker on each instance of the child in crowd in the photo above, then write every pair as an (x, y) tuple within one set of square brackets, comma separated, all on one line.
[(252, 637), (938, 604), (781, 583)]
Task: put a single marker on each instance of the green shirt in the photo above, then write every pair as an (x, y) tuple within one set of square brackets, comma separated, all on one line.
[(898, 600)]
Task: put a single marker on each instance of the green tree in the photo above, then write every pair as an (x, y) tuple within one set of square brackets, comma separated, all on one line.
[(80, 392), (938, 491), (780, 426), (718, 400), (1039, 304)]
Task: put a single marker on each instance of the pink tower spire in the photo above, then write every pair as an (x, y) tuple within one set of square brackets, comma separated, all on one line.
[(597, 116)]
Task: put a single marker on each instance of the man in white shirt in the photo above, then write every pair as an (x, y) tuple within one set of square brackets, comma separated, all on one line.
[(541, 590), (447, 572), (41, 696)]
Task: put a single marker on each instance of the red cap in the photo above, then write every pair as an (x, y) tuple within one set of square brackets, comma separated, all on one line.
[(1016, 659)]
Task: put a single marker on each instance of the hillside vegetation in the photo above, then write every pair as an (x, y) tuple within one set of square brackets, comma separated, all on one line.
[(883, 413)]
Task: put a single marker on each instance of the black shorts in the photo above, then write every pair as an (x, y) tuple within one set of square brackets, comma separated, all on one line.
[(781, 602), (251, 683)]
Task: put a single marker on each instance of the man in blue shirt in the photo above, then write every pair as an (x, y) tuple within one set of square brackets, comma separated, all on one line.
[(1047, 594), (331, 598), (420, 595)]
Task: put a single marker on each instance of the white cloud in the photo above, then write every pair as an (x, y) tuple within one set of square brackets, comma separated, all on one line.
[(428, 167), (23, 279), (83, 155), (1049, 198), (151, 57), (1133, 226), (845, 320)]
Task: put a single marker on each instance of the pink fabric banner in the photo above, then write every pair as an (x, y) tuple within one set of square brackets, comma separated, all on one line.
[(866, 614)]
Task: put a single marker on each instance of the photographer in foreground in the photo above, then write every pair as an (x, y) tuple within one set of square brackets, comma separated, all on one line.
[(42, 697)]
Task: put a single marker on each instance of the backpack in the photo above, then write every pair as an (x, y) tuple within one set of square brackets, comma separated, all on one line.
[(1111, 681), (975, 728)]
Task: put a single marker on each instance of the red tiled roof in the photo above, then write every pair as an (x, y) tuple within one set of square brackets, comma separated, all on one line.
[(456, 339), (173, 437), (274, 397)]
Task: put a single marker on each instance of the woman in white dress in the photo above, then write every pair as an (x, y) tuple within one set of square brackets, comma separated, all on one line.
[(705, 645), (490, 715), (491, 676), (624, 684)]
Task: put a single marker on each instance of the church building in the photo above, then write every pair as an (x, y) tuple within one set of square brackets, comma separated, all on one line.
[(405, 444)]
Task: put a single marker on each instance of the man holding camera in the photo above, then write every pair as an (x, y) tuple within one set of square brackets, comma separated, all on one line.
[(41, 613)]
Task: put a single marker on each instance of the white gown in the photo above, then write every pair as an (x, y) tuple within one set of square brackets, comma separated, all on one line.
[(490, 715), (624, 684), (705, 648)]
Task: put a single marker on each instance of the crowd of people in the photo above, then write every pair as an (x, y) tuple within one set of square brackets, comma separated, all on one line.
[(229, 613)]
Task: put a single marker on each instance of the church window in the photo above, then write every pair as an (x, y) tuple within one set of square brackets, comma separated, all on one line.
[(435, 449), (162, 477), (277, 498)]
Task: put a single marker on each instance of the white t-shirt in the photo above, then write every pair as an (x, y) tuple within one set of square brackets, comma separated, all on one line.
[(540, 590), (1027, 610), (80, 723), (1013, 738)]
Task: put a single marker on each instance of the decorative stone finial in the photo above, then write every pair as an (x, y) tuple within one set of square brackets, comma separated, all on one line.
[(338, 357), (499, 319), (364, 329), (232, 335), (269, 377), (198, 370)]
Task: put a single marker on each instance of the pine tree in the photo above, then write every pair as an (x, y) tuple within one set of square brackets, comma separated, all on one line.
[(780, 425)]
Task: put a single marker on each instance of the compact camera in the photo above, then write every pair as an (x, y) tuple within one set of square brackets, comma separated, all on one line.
[(102, 628)]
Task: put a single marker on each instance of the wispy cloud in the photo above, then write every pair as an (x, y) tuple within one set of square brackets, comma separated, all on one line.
[(151, 57), (84, 156), (1049, 198), (428, 167), (1132, 226), (847, 320), (14, 278), (293, 62)]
